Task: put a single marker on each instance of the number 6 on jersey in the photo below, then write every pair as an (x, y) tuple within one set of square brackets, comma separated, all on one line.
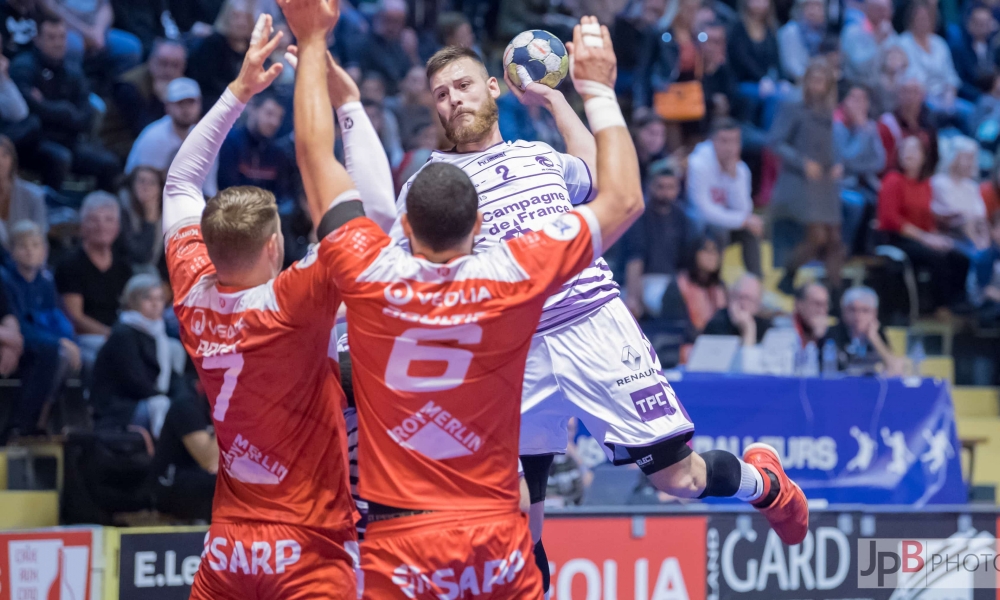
[(406, 350)]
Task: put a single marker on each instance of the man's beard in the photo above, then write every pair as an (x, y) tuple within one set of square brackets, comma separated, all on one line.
[(483, 121)]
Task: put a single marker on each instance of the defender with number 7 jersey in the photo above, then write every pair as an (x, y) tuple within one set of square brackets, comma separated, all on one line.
[(276, 408)]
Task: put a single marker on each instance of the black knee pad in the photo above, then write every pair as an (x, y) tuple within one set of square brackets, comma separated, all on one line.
[(543, 565), (661, 455), (536, 475), (723, 474)]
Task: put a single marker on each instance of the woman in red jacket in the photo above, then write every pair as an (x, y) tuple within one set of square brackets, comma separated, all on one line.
[(904, 212)]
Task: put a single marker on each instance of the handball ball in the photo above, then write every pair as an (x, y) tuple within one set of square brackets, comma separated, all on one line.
[(541, 54)]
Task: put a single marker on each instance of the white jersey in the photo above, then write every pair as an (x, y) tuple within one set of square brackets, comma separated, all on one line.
[(522, 186)]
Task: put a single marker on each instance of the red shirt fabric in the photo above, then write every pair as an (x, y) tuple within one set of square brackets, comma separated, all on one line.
[(439, 352), (261, 354), (991, 197), (904, 200)]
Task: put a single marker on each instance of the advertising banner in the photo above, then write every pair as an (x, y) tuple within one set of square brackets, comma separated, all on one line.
[(640, 558), (158, 565), (746, 560), (46, 565), (857, 440)]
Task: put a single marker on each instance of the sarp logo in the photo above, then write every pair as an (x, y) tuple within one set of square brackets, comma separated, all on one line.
[(654, 558)]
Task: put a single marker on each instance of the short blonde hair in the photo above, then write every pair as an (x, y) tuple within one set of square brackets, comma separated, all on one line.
[(24, 229), (236, 225)]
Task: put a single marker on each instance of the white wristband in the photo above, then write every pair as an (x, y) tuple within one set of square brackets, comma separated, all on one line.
[(603, 113), (602, 108)]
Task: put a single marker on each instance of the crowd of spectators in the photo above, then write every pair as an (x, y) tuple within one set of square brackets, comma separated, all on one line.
[(820, 129)]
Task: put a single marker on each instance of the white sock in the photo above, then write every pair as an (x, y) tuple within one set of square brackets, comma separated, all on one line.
[(751, 483)]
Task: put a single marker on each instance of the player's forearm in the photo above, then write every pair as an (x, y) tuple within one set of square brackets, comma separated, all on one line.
[(322, 176), (182, 196), (579, 141), (367, 164), (617, 207)]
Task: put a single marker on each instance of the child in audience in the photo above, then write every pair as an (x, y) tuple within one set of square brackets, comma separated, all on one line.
[(50, 352)]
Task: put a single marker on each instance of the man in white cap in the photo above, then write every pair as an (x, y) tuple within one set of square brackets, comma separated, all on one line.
[(161, 139)]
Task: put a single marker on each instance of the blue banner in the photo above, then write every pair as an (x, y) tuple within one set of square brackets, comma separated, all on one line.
[(850, 440)]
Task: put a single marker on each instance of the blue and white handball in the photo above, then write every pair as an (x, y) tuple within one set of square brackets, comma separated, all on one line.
[(536, 56)]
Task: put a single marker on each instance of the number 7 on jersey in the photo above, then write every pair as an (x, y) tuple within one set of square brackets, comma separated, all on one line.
[(233, 364)]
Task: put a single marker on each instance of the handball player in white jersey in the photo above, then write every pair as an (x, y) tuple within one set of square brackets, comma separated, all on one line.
[(589, 359)]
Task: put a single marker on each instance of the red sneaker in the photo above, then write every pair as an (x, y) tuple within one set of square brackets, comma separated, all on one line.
[(788, 514)]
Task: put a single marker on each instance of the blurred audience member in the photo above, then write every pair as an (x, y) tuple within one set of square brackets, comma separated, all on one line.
[(719, 81), (956, 202), (904, 212), (931, 63), (11, 348), (741, 317), (19, 20), (373, 95), (655, 246), (718, 187), (859, 148), (380, 119), (986, 118), (811, 319), (19, 199), (894, 65), (194, 16), (670, 75), (186, 461), (91, 278), (860, 339), (216, 60), (863, 42), (16, 121), (807, 188), (50, 350), (984, 281), (384, 52), (58, 93), (649, 132), (696, 294), (134, 369), (753, 54), (799, 40), (990, 190), (141, 198), (909, 118), (972, 52), (453, 29), (91, 36), (160, 140), (140, 93), (250, 154)]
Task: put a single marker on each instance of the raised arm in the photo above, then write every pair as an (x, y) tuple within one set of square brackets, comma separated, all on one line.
[(594, 69), (579, 141), (364, 156), (183, 200), (326, 181)]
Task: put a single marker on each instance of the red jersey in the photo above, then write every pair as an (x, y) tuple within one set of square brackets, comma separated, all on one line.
[(438, 354), (261, 354)]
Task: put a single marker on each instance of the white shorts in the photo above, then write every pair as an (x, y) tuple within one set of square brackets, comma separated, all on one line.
[(602, 370)]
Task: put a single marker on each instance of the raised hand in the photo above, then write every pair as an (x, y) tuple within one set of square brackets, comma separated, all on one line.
[(592, 57), (310, 18), (254, 78), (533, 94)]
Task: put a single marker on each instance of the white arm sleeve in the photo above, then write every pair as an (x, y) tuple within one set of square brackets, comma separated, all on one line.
[(367, 164), (396, 233), (183, 200)]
